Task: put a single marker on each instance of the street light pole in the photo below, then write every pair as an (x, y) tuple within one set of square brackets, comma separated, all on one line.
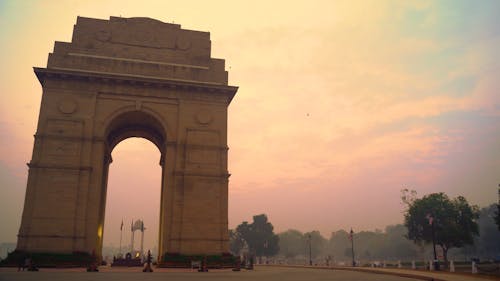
[(431, 222), (352, 247), (310, 251)]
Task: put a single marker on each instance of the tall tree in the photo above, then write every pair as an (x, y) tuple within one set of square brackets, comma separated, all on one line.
[(339, 244), (318, 243), (236, 242), (449, 222), (390, 244), (291, 243), (487, 245), (259, 236), (489, 241), (396, 246), (497, 218)]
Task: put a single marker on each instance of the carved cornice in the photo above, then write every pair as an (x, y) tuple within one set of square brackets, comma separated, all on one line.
[(58, 167), (201, 174), (175, 144), (146, 81), (66, 137), (171, 144), (50, 236)]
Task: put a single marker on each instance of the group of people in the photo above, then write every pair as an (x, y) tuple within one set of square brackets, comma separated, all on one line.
[(26, 264)]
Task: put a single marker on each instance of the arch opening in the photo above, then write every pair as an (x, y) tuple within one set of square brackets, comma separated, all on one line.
[(133, 193), (141, 129), (135, 124)]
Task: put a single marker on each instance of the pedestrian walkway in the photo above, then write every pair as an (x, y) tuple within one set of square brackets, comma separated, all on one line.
[(261, 273), (417, 274), (436, 275)]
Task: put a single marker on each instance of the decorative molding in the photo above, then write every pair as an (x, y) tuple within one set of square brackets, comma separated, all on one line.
[(140, 61), (58, 167), (165, 98), (206, 146), (51, 236), (200, 174), (67, 106), (204, 117), (73, 138), (196, 146), (193, 89)]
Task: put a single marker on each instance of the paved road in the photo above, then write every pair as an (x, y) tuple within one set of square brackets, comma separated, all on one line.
[(441, 275), (260, 273)]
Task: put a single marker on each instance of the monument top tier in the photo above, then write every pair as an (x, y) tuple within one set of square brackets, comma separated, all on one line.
[(139, 46)]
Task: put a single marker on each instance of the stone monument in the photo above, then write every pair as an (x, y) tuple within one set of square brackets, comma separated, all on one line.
[(122, 78)]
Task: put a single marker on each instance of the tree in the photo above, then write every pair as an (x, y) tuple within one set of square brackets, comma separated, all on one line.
[(453, 222), (338, 243), (291, 243), (236, 242), (497, 218), (488, 242), (487, 245), (318, 243), (396, 246), (259, 236)]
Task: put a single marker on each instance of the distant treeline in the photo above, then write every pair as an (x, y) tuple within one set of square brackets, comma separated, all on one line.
[(390, 244)]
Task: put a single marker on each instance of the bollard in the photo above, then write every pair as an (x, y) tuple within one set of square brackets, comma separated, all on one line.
[(237, 265), (93, 266), (204, 265), (474, 267), (399, 264), (452, 266), (413, 265), (431, 265)]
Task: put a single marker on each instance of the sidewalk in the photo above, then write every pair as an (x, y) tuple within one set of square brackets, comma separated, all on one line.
[(417, 274), (425, 275)]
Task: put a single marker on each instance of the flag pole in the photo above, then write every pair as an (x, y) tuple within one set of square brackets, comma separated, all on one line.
[(121, 233), (132, 239)]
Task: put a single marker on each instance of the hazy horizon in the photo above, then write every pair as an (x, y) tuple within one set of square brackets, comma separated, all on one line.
[(341, 104)]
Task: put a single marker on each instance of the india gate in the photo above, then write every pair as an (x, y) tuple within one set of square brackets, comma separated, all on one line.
[(122, 78)]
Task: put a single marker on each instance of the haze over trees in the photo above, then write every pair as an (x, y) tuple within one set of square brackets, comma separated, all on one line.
[(368, 245), (497, 217), (487, 244), (464, 230)]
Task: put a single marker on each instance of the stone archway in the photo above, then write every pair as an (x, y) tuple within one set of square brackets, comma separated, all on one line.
[(121, 78), (127, 124)]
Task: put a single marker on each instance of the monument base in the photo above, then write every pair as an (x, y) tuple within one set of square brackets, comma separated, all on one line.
[(137, 262), (176, 260), (18, 258)]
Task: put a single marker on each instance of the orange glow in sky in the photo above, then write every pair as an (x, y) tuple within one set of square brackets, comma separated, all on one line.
[(341, 105)]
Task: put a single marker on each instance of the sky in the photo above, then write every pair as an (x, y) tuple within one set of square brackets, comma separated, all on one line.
[(341, 104)]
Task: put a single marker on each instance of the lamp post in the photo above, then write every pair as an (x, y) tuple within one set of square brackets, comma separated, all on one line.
[(310, 250), (351, 236), (431, 222), (265, 250)]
